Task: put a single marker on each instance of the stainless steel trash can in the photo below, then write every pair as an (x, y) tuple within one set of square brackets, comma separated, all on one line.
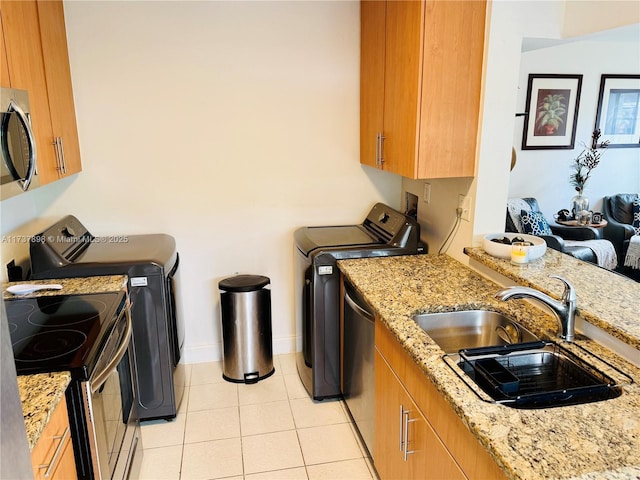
[(246, 328)]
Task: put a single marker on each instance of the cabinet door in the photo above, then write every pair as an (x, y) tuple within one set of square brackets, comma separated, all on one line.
[(403, 54), (4, 65), (52, 457), (26, 69), (387, 423), (451, 88), (58, 76), (405, 444), (372, 20)]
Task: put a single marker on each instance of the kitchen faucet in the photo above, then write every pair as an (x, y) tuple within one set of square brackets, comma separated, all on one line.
[(564, 309)]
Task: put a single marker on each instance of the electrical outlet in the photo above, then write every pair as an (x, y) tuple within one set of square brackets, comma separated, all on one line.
[(464, 202), (426, 198)]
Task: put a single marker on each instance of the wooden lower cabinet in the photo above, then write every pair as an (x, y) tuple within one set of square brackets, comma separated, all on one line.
[(52, 457), (406, 447), (442, 446)]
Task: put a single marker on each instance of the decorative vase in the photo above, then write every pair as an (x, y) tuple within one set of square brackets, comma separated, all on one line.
[(579, 204)]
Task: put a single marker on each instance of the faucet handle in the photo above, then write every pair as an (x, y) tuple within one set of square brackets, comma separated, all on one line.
[(569, 293)]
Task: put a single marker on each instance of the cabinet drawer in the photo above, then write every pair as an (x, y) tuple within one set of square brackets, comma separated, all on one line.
[(52, 457)]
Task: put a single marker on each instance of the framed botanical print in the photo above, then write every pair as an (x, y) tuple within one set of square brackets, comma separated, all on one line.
[(618, 116), (551, 111)]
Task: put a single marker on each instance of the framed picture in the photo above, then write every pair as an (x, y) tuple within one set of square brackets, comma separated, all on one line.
[(618, 116), (551, 111)]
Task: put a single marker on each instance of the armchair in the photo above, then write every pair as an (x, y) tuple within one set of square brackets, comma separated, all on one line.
[(555, 238), (618, 211)]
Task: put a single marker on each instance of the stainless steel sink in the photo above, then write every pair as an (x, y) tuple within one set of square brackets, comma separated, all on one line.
[(454, 331)]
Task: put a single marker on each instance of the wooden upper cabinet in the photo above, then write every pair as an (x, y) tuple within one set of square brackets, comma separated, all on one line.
[(372, 31), (4, 69), (58, 76), (34, 37), (26, 70), (425, 99)]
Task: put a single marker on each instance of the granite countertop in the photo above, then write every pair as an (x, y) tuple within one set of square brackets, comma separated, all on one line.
[(593, 440), (41, 393), (605, 299), (73, 286)]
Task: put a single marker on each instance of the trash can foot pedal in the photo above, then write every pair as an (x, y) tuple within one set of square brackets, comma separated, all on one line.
[(249, 378)]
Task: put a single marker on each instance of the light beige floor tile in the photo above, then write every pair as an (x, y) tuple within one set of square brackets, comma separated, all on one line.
[(209, 372), (215, 459), (288, 363), (299, 473), (346, 470), (308, 413), (356, 434), (215, 424), (271, 451), (184, 402), (162, 433), (212, 395), (276, 365), (329, 443), (372, 468), (186, 369), (270, 389), (295, 388), (268, 417), (161, 463)]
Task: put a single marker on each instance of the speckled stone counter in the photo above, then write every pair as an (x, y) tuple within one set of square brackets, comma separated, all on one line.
[(594, 440), (73, 286), (605, 299), (40, 395)]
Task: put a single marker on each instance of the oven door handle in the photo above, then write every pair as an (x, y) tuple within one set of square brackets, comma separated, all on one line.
[(96, 382)]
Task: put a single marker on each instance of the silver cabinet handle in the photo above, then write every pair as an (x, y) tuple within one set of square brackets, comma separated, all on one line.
[(26, 125), (60, 160), (52, 464), (382, 137), (401, 428), (62, 157), (56, 147), (406, 452)]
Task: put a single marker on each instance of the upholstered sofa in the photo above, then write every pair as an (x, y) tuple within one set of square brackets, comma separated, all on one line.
[(559, 233), (618, 211)]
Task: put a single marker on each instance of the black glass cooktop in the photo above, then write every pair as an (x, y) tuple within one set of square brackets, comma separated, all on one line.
[(61, 332)]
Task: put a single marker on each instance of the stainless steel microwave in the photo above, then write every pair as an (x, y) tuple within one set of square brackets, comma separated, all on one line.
[(17, 143)]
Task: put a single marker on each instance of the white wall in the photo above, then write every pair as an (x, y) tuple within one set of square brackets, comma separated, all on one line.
[(224, 124), (544, 174)]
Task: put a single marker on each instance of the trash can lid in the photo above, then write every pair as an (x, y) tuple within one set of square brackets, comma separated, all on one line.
[(243, 283)]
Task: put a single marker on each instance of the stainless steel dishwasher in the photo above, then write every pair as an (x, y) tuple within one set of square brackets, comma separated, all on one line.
[(358, 359)]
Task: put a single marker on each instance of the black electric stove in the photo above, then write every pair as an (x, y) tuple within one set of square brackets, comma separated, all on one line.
[(61, 332)]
